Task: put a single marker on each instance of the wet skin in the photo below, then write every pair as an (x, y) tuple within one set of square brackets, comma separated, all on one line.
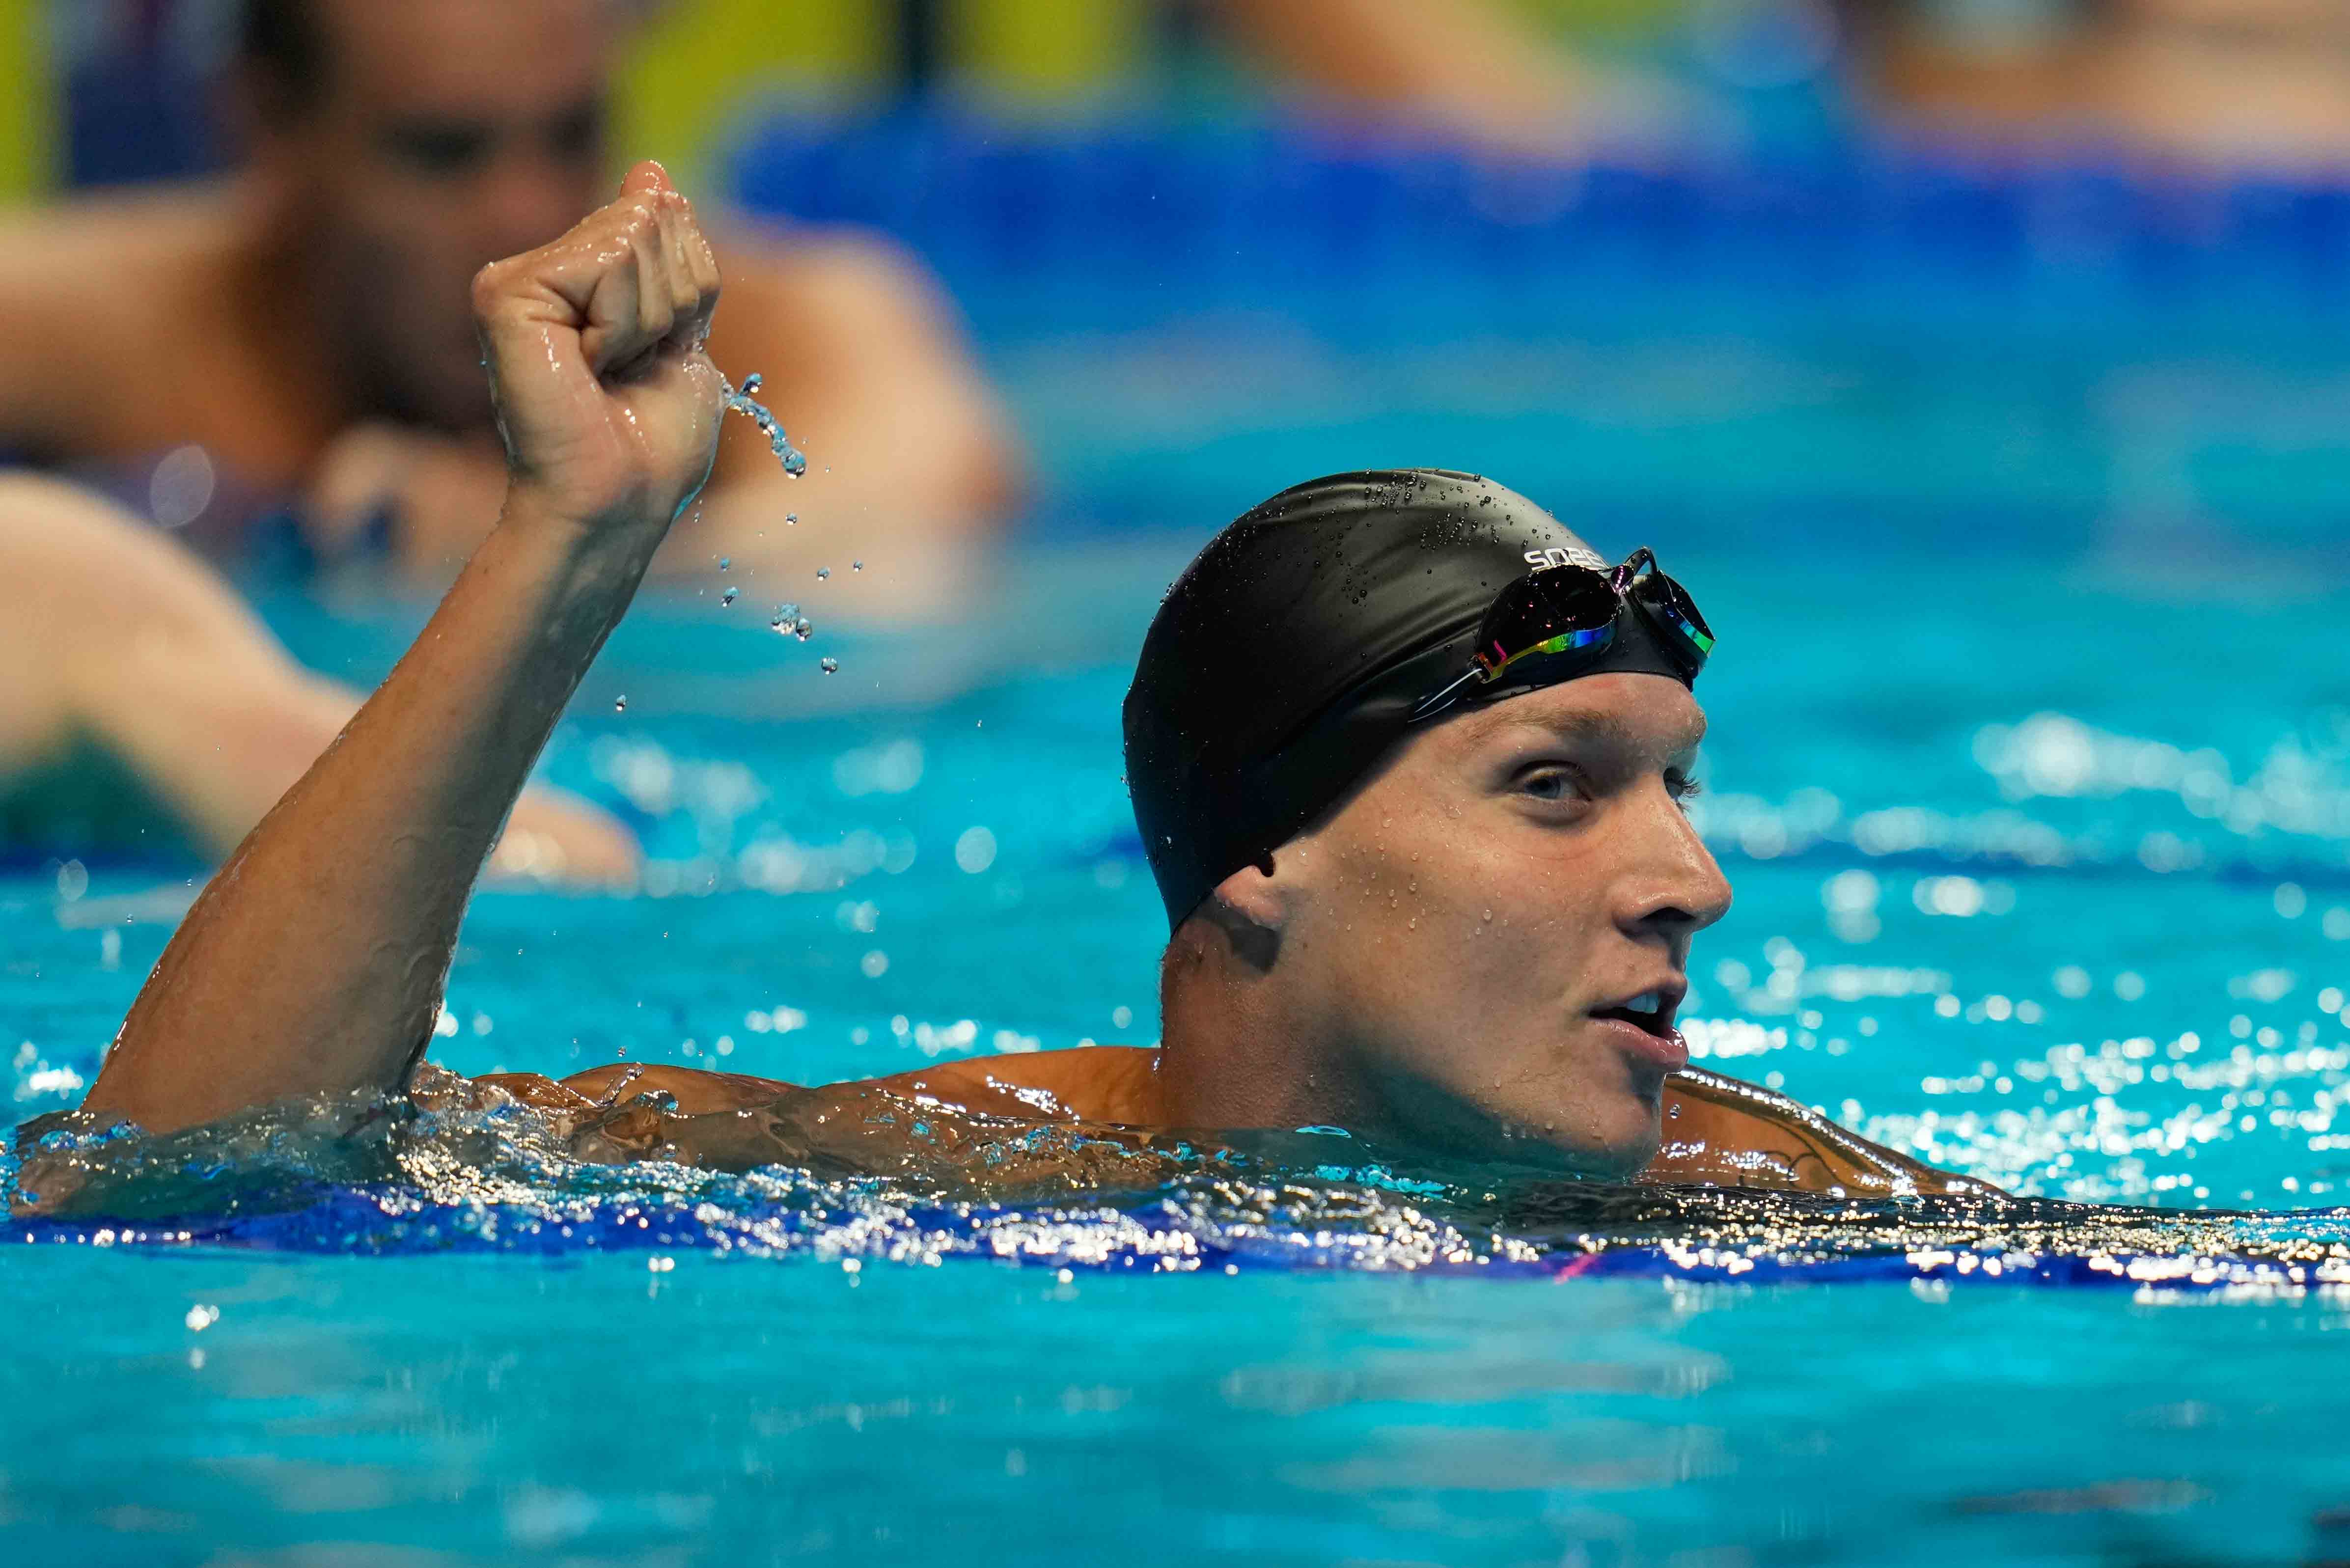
[(1718, 1131)]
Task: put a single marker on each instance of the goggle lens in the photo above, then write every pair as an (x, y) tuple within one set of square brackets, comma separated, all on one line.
[(1669, 604), (1563, 610)]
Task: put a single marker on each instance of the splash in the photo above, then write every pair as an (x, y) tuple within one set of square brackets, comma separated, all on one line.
[(741, 401)]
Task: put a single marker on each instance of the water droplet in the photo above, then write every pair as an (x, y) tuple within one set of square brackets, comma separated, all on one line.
[(740, 400), (791, 516), (727, 597), (621, 703), (822, 573), (802, 630), (829, 665), (856, 566), (725, 563)]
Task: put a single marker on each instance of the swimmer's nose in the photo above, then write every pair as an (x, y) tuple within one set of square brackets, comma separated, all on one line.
[(1673, 885)]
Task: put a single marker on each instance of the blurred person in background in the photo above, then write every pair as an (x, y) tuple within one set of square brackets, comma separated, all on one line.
[(306, 324), (2259, 83), (2243, 83)]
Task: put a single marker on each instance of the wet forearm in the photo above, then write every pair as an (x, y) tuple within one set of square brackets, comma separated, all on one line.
[(314, 961)]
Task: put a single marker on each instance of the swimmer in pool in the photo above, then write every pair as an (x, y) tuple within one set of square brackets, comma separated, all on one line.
[(1407, 759), (304, 321)]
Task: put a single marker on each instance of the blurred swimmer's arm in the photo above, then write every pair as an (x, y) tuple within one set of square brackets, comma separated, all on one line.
[(116, 638), (1470, 70), (312, 964), (911, 459), (1721, 1132)]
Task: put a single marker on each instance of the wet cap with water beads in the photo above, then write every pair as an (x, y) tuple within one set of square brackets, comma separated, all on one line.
[(1300, 644)]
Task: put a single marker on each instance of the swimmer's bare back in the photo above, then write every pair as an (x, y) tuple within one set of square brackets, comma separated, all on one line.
[(1718, 1131)]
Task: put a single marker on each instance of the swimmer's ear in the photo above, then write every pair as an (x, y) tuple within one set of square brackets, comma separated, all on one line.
[(1255, 894)]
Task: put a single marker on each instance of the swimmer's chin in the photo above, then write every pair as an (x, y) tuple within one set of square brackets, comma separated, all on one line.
[(1614, 1147)]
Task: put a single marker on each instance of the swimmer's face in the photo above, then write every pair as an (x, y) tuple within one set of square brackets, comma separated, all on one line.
[(444, 134), (1476, 919)]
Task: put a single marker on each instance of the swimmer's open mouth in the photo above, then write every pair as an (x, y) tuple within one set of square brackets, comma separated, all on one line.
[(1649, 1010)]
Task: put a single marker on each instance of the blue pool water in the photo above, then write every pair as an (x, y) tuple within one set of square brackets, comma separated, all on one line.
[(2010, 828)]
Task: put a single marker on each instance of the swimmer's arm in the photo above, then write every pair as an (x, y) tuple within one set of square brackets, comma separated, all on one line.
[(314, 962), (1470, 70), (115, 635)]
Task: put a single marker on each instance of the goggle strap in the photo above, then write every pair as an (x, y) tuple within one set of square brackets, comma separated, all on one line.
[(1440, 700)]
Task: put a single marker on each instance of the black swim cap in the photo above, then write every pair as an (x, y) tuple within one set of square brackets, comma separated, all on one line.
[(1289, 654)]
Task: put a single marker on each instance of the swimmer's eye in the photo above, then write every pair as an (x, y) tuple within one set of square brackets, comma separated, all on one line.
[(438, 150), (1550, 782), (1681, 787), (579, 134)]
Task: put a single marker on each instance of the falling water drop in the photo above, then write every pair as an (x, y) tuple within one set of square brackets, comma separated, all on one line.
[(856, 566), (791, 516), (829, 665), (727, 597), (740, 400), (725, 563), (802, 630), (822, 573), (621, 703)]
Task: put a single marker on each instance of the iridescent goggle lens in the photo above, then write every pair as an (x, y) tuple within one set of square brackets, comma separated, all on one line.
[(1556, 612)]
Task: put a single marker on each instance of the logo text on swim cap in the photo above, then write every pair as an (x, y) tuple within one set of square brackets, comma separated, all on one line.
[(1566, 556)]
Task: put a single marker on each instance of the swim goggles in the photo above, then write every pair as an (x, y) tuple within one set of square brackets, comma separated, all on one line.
[(1558, 621)]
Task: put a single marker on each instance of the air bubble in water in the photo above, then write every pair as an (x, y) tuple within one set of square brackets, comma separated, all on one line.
[(829, 665), (740, 400)]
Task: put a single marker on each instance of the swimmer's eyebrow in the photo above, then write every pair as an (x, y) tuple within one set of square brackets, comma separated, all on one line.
[(1603, 728)]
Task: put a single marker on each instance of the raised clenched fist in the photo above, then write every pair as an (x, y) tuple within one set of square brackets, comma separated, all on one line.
[(607, 402)]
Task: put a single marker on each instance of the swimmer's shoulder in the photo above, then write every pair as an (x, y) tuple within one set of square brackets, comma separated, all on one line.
[(808, 274), (695, 1091), (1096, 1083), (1719, 1131), (109, 295), (1115, 1084)]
